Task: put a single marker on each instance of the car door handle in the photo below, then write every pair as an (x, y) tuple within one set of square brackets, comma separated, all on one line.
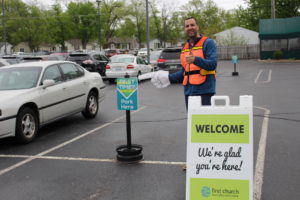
[(64, 88), (84, 82)]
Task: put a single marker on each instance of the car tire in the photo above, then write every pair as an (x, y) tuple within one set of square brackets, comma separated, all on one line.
[(137, 76), (92, 106), (26, 125)]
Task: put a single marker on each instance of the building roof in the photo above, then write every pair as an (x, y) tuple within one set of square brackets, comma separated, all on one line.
[(250, 36), (279, 28)]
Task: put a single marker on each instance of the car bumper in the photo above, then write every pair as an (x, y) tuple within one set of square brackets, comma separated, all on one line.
[(120, 74), (7, 127)]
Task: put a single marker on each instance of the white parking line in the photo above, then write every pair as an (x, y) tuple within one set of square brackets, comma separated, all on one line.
[(88, 159), (259, 74), (259, 168), (29, 159), (260, 160)]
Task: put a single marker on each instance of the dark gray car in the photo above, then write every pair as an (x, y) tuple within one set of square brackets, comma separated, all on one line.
[(169, 59), (92, 61)]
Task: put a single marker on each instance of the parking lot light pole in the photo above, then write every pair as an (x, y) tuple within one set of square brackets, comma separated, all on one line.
[(148, 34), (3, 26), (99, 23)]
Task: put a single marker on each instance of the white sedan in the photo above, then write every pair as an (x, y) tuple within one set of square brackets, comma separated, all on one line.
[(120, 65), (34, 94)]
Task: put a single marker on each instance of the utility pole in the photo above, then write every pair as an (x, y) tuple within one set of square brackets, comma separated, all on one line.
[(148, 34), (99, 24), (273, 9), (4, 27)]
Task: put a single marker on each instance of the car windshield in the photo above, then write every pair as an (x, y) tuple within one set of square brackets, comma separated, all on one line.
[(170, 54), (121, 59), (19, 77)]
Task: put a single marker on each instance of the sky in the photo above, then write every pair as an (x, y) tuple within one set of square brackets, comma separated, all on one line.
[(224, 4)]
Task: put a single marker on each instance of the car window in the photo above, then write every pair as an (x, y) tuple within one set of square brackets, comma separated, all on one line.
[(53, 73), (104, 58), (122, 59), (19, 78), (75, 57), (70, 71), (139, 61), (97, 57), (170, 54)]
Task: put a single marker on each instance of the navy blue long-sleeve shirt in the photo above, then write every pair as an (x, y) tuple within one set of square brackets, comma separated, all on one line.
[(209, 63)]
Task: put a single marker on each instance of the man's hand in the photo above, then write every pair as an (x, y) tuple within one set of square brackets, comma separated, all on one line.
[(190, 58)]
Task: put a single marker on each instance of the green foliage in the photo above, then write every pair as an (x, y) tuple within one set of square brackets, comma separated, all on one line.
[(83, 21), (127, 19), (278, 55)]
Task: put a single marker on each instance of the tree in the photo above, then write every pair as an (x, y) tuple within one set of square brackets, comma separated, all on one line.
[(59, 26), (261, 9), (155, 23), (112, 13), (139, 15), (209, 17), (83, 21), (34, 28), (15, 12)]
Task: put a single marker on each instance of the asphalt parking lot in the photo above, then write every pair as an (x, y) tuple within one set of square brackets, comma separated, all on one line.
[(74, 159)]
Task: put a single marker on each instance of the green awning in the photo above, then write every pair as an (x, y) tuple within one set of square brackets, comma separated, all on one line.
[(279, 28)]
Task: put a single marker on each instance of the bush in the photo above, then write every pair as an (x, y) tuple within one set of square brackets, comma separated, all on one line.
[(277, 55)]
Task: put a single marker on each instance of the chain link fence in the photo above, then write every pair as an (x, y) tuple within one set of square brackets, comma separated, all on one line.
[(243, 52)]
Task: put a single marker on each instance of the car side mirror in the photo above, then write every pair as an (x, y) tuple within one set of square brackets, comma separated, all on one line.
[(48, 83)]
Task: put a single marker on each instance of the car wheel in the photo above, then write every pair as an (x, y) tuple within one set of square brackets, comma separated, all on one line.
[(139, 73), (92, 105), (26, 125)]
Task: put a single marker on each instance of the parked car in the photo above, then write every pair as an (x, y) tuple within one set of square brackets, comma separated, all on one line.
[(93, 61), (11, 59), (34, 94), (169, 59), (3, 62), (32, 58), (142, 52), (111, 52), (54, 57), (63, 54), (120, 65), (154, 55)]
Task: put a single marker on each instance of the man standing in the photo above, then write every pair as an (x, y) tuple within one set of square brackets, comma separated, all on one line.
[(199, 61)]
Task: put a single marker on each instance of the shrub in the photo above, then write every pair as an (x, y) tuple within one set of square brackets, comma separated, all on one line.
[(277, 55)]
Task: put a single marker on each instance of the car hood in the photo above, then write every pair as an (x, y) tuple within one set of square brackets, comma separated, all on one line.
[(9, 95)]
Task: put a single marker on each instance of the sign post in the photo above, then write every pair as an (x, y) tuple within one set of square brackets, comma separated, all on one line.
[(220, 150), (235, 61), (127, 99)]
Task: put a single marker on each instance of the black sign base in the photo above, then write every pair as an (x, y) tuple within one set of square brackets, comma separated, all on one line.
[(235, 73), (129, 154)]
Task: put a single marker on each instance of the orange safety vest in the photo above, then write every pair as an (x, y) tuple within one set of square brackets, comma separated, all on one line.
[(194, 74)]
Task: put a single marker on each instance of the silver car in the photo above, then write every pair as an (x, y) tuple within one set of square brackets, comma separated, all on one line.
[(120, 65), (37, 93)]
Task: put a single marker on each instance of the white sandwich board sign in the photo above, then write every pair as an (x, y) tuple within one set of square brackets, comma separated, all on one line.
[(220, 150)]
